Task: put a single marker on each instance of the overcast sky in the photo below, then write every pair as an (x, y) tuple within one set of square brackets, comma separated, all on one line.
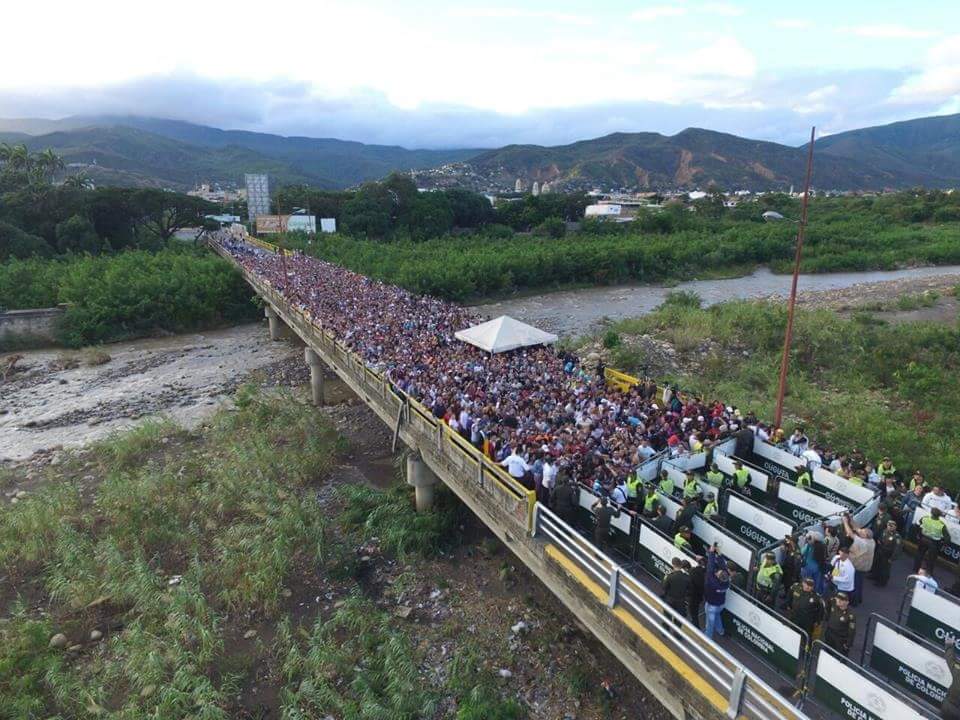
[(455, 73)]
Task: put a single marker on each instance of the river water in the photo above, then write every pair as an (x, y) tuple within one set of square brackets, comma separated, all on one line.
[(577, 312)]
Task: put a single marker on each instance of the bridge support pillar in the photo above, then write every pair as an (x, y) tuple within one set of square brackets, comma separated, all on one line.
[(423, 480), (278, 330), (316, 375)]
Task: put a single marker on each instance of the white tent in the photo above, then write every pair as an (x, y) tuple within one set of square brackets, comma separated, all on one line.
[(504, 333)]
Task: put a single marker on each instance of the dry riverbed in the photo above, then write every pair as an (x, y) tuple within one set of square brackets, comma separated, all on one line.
[(56, 398)]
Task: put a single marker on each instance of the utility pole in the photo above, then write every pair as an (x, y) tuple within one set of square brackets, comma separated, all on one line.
[(788, 336)]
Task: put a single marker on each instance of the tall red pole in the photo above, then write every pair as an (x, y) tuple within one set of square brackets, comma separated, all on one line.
[(788, 336)]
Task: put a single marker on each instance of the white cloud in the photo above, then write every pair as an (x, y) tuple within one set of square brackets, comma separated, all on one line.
[(724, 57), (519, 13), (817, 101), (898, 32), (722, 8), (793, 24), (656, 12), (938, 80)]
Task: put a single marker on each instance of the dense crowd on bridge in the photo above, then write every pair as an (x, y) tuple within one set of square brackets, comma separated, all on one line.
[(538, 411)]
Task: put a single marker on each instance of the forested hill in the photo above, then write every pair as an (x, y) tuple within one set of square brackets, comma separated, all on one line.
[(175, 154), (694, 158), (169, 153), (916, 152), (925, 151)]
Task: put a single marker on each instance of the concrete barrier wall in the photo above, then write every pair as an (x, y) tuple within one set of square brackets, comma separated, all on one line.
[(37, 325)]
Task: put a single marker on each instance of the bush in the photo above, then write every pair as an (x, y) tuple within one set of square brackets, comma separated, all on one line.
[(682, 299), (76, 234), (15, 243), (551, 227), (611, 339), (132, 294)]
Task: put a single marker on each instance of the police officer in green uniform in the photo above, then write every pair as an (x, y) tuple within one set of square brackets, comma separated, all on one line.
[(888, 545), (634, 481), (682, 539), (691, 489), (666, 483), (711, 508), (932, 532), (650, 502), (804, 479), (741, 478), (714, 476), (806, 606), (769, 578), (841, 625)]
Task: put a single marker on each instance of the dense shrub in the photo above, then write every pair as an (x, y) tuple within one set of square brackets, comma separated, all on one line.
[(130, 294), (15, 243)]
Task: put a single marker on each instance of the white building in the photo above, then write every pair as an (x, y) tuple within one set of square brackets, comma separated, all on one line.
[(518, 185), (536, 188)]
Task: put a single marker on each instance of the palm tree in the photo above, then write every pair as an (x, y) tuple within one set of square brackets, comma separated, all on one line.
[(16, 156), (48, 163), (78, 181)]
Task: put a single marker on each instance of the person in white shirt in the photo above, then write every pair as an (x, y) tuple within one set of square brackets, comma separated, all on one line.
[(549, 473), (515, 465), (812, 458), (798, 442), (645, 451), (619, 493), (924, 581), (937, 498), (843, 573)]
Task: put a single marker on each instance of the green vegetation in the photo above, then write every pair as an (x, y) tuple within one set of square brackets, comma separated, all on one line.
[(130, 294), (190, 539), (844, 234), (854, 383)]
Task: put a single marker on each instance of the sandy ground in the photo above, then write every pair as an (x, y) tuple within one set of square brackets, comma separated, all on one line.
[(185, 377)]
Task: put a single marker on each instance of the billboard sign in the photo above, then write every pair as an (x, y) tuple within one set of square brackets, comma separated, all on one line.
[(934, 616), (764, 633), (754, 523), (853, 694), (656, 552), (258, 195), (909, 664), (805, 507), (779, 463)]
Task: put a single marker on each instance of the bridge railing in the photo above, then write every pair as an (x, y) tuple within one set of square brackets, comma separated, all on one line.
[(717, 675)]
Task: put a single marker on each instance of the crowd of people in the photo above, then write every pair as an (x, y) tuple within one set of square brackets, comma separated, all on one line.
[(538, 411), (554, 425)]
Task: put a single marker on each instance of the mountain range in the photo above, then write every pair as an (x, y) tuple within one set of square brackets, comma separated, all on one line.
[(169, 153)]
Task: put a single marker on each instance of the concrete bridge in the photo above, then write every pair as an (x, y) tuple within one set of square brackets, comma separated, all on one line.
[(689, 675)]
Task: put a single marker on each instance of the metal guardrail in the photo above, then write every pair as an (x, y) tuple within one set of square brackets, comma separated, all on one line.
[(744, 694)]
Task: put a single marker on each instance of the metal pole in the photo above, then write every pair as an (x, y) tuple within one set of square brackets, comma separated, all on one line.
[(788, 336)]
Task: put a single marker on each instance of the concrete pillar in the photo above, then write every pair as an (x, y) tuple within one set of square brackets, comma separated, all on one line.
[(276, 324), (423, 480), (316, 374)]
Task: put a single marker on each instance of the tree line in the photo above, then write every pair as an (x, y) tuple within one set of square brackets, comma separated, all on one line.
[(395, 209), (40, 219)]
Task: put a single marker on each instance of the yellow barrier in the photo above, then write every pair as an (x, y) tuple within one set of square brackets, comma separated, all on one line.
[(620, 380)]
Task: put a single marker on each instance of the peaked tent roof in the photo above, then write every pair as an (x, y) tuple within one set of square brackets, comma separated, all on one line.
[(504, 333)]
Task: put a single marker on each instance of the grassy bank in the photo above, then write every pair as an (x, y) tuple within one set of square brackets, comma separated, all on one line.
[(480, 266), (854, 383), (226, 574), (130, 294)]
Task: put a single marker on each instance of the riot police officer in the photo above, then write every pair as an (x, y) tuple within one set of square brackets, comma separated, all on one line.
[(841, 626), (806, 606)]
